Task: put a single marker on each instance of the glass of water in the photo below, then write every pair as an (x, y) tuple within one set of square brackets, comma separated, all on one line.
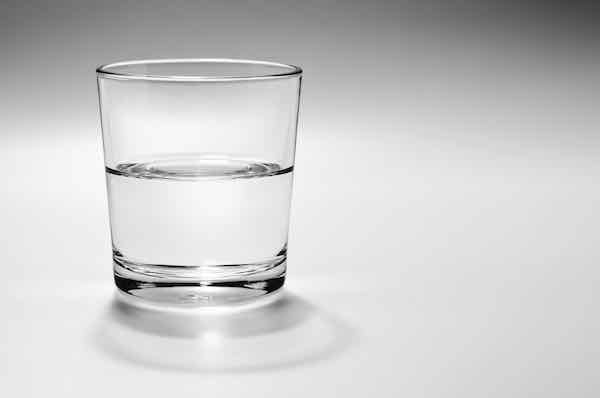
[(199, 157)]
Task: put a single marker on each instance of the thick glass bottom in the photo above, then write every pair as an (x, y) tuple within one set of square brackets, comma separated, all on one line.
[(199, 285)]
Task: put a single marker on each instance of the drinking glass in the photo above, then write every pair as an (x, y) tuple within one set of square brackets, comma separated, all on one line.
[(199, 160)]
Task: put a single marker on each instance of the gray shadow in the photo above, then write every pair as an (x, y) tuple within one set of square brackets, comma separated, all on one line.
[(281, 332)]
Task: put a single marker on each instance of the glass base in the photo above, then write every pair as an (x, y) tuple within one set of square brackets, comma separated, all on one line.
[(199, 285)]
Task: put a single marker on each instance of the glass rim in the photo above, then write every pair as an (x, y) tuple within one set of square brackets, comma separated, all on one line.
[(105, 71)]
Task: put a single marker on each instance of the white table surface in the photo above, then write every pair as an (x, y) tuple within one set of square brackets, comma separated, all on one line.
[(443, 243)]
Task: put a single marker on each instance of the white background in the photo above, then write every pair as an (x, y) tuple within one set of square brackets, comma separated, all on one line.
[(444, 237)]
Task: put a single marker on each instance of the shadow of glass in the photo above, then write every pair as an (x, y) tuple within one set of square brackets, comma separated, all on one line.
[(283, 332)]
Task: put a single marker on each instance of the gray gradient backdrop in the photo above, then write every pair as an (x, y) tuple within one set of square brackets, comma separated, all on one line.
[(444, 237)]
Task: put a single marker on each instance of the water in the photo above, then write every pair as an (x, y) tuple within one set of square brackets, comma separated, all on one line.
[(200, 212)]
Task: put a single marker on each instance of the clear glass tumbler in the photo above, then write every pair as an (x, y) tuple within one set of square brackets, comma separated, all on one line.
[(199, 157)]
